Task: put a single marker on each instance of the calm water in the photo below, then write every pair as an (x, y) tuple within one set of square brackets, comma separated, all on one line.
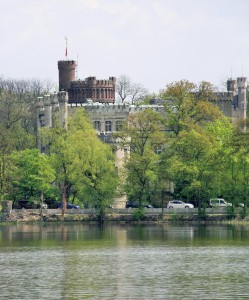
[(124, 262)]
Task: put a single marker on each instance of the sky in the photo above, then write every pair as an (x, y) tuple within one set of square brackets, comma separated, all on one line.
[(153, 42)]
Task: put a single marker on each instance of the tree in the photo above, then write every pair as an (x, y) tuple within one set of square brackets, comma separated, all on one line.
[(195, 130), (12, 134), (17, 119), (26, 93), (95, 175), (84, 165), (186, 104), (143, 135), (31, 175), (196, 161), (128, 91), (236, 172)]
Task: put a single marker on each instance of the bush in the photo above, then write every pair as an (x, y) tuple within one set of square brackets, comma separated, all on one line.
[(202, 215), (175, 217), (138, 214), (230, 213), (242, 213)]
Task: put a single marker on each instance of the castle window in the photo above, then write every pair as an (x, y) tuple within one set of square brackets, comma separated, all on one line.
[(118, 125), (108, 126), (97, 125)]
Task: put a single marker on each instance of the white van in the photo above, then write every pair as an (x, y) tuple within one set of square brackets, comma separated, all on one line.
[(214, 202)]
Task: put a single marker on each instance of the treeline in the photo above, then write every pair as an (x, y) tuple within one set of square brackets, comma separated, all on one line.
[(190, 145)]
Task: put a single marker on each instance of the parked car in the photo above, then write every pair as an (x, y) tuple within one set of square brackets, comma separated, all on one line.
[(218, 202), (179, 204), (28, 205), (136, 205), (69, 206)]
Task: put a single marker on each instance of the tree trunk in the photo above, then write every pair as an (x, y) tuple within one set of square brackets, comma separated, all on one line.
[(64, 201), (102, 215)]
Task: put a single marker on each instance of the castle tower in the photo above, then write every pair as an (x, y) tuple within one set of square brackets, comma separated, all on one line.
[(231, 86), (47, 111), (54, 107), (66, 73), (242, 86), (63, 109)]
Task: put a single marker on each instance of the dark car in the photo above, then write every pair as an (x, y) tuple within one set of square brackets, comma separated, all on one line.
[(135, 205), (69, 206), (28, 205)]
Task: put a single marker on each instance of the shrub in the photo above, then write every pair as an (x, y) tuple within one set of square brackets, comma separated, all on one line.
[(230, 212), (138, 214)]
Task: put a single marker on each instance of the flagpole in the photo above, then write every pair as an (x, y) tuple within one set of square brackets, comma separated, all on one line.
[(66, 39)]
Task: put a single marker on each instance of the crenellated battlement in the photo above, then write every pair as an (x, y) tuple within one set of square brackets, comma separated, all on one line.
[(61, 98), (92, 82)]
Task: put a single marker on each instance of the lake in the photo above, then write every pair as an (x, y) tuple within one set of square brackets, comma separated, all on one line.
[(161, 261)]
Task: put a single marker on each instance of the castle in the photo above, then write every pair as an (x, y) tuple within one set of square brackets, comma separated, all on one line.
[(98, 99)]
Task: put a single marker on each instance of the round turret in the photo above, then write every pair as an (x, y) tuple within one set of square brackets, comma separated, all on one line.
[(66, 73), (242, 82)]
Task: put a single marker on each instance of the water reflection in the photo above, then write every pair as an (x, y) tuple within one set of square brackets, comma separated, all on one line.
[(161, 261), (24, 233)]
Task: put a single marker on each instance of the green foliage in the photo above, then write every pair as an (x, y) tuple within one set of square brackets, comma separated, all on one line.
[(142, 135), (202, 215), (242, 213), (198, 133), (230, 213), (186, 106), (175, 217), (31, 174), (138, 214), (13, 135), (84, 165)]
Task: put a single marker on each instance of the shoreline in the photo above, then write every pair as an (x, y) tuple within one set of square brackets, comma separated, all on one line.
[(25, 216)]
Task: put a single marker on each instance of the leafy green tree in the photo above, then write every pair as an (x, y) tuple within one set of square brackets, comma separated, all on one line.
[(12, 135), (236, 175), (95, 174), (32, 175), (84, 165), (143, 135), (196, 162), (186, 104), (195, 130)]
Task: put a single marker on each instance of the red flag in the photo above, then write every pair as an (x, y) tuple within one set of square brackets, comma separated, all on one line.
[(66, 52)]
